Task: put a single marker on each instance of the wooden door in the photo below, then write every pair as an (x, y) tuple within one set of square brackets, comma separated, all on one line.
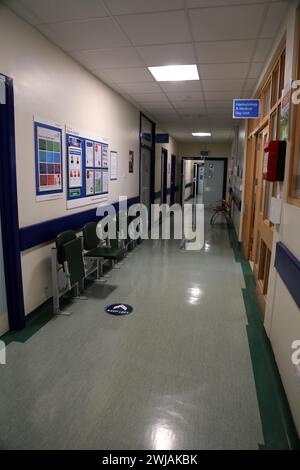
[(263, 229)]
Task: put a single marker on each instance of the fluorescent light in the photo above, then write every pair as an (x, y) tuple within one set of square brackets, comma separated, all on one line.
[(201, 134), (174, 73)]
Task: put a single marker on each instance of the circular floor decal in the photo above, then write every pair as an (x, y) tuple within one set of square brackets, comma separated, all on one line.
[(119, 309)]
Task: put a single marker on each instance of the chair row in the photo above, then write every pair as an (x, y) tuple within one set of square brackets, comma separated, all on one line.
[(76, 258)]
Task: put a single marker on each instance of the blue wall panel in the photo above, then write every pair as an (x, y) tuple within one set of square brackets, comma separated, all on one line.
[(45, 232), (288, 267)]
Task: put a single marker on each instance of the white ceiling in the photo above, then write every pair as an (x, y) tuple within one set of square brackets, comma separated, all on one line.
[(117, 40)]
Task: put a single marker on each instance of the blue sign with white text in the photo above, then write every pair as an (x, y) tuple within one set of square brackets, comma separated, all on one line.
[(162, 138), (246, 109)]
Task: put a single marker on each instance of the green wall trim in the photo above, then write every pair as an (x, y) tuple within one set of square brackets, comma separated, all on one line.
[(35, 321), (277, 422)]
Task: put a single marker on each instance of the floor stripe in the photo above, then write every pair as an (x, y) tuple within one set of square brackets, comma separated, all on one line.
[(277, 423)]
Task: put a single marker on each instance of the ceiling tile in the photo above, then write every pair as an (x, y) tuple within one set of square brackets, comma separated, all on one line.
[(156, 28), (223, 85), (130, 75), (92, 34), (221, 95), (121, 7), (164, 114), (192, 121), (109, 58), (169, 54), (275, 16), (255, 69), (225, 51), (214, 3), (262, 51), (147, 87), (181, 87), (241, 22), (250, 84), (222, 121), (55, 37), (186, 96), (223, 71), (195, 112), (171, 121), (159, 107), (220, 112), (17, 7), (219, 104), (54, 11), (149, 97), (190, 106)]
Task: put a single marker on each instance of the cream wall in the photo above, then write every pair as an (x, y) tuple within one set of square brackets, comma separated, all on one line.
[(49, 84), (193, 149)]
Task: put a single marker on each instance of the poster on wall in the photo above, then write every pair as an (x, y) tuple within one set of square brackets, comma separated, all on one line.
[(98, 181), (98, 155), (105, 181), (89, 153), (85, 169), (105, 156), (131, 161), (75, 166), (48, 160), (113, 165), (89, 186)]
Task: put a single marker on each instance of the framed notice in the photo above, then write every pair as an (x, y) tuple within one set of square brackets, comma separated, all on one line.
[(89, 154), (75, 166), (98, 154), (98, 181), (48, 161), (113, 165), (105, 156), (89, 185)]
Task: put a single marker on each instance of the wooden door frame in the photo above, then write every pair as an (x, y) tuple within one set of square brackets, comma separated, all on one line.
[(249, 195), (173, 179), (164, 175)]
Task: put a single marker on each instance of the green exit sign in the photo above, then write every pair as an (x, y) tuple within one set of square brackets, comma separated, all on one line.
[(204, 153)]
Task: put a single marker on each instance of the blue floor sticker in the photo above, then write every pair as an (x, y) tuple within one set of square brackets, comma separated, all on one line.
[(119, 309)]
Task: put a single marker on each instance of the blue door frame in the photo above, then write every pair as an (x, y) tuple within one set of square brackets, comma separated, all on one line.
[(164, 175), (173, 179), (151, 147), (9, 211)]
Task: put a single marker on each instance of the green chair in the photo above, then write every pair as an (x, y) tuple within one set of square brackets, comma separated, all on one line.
[(68, 266), (96, 251)]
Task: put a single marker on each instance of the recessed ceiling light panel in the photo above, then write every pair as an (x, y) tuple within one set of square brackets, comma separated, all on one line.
[(174, 73), (202, 134)]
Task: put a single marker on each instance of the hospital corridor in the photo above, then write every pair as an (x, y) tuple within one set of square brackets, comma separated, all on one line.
[(149, 231)]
